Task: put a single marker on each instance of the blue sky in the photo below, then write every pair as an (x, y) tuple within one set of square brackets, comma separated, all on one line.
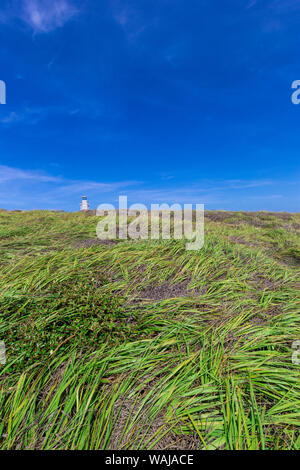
[(161, 100)]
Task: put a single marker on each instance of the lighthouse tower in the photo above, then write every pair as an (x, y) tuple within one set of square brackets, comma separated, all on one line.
[(84, 205)]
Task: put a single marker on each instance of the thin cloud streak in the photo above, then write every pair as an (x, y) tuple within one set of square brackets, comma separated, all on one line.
[(15, 174), (42, 16), (32, 189), (29, 189), (129, 19)]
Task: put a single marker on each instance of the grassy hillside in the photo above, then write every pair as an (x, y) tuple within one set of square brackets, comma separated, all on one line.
[(143, 345)]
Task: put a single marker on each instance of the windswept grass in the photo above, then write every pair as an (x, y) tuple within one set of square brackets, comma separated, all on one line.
[(143, 345)]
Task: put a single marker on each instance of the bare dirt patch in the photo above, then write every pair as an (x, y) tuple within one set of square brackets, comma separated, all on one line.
[(218, 216), (263, 318), (242, 241), (126, 410), (164, 291), (289, 260), (94, 241), (263, 283)]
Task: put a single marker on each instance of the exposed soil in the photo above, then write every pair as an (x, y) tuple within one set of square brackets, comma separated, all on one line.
[(126, 410), (164, 291), (264, 317), (94, 241), (289, 261), (262, 283), (257, 219), (241, 241)]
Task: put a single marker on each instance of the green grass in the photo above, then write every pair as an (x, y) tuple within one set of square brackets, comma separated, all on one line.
[(102, 355)]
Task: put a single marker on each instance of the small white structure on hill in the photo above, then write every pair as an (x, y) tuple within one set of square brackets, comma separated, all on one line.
[(84, 205)]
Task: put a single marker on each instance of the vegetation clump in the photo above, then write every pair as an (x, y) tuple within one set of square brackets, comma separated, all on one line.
[(143, 345)]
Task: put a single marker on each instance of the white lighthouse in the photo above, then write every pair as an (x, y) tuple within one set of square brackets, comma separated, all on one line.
[(84, 205)]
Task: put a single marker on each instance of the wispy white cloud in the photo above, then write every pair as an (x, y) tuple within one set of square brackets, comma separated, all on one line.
[(29, 189), (30, 115), (25, 115), (267, 197), (78, 187), (244, 184), (251, 4), (42, 16), (46, 15), (10, 174), (130, 19), (202, 192), (11, 118)]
